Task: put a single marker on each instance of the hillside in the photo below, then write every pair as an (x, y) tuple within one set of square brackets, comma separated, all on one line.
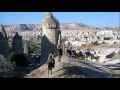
[(61, 71), (63, 26), (73, 69)]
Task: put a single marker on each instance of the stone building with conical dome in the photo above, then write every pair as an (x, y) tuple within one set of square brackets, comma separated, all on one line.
[(50, 35), (4, 47)]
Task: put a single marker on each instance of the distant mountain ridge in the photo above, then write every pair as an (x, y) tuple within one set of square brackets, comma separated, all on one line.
[(63, 26)]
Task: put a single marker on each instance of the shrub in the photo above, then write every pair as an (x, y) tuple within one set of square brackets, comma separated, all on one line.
[(114, 42), (68, 44), (6, 68), (97, 57), (19, 59), (80, 55), (11, 56), (103, 42), (10, 70), (95, 43)]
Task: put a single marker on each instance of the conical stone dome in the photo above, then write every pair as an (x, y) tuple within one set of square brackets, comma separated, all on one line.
[(50, 21)]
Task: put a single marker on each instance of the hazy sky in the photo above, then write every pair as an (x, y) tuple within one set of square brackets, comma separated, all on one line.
[(98, 19)]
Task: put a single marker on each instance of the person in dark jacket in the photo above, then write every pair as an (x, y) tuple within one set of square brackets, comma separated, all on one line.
[(50, 62)]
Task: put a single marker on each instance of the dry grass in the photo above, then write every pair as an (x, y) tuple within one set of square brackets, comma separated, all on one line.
[(90, 46), (116, 56), (113, 46)]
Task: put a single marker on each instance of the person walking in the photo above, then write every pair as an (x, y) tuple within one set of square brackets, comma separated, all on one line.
[(50, 62)]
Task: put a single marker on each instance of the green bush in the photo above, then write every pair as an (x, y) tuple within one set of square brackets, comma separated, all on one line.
[(103, 42), (95, 43), (80, 55), (114, 42), (19, 59), (68, 44), (10, 70), (11, 56), (97, 57), (6, 68)]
